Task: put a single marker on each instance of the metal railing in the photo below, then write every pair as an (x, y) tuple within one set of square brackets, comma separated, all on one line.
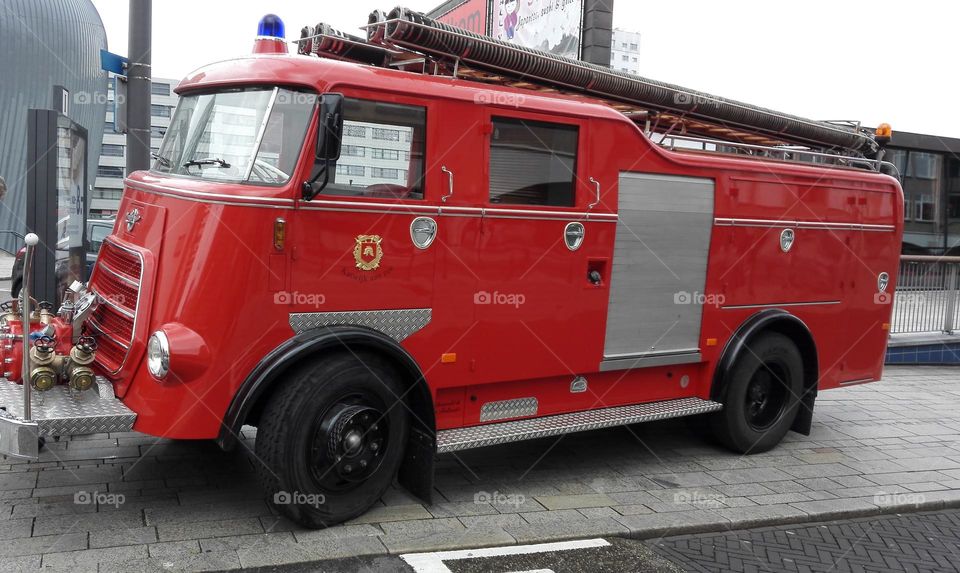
[(927, 298)]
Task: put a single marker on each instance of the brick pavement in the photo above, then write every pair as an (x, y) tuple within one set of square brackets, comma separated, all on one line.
[(919, 542), (889, 446)]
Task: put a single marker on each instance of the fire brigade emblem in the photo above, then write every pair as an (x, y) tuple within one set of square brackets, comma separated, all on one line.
[(368, 252)]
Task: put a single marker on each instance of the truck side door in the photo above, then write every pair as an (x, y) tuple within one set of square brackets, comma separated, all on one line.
[(538, 309)]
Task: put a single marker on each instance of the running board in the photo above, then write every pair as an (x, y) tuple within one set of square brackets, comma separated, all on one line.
[(531, 428)]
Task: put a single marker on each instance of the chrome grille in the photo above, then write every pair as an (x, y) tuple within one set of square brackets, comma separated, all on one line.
[(116, 280)]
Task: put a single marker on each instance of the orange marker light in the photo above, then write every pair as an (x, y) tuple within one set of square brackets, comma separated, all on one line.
[(279, 234), (885, 130), (448, 358), (711, 342), (886, 326)]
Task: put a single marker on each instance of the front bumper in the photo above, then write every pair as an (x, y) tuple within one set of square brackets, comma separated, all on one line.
[(58, 412)]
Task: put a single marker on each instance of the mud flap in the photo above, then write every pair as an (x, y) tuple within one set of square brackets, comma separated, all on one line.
[(416, 472), (803, 423)]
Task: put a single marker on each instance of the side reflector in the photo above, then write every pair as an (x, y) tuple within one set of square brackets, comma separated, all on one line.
[(886, 326), (711, 342), (448, 358)]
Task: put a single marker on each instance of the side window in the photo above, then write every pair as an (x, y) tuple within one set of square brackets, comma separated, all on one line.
[(533, 163), (383, 151)]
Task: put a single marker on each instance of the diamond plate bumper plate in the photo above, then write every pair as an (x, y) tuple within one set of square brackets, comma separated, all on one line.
[(397, 324), (518, 408), (59, 412), (505, 432)]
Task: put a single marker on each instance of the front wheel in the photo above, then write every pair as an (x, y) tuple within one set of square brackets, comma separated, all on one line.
[(331, 441), (762, 395)]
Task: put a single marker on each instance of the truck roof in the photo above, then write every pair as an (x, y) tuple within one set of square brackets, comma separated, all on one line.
[(323, 74)]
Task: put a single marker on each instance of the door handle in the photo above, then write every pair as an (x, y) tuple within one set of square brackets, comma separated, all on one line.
[(597, 202), (449, 183)]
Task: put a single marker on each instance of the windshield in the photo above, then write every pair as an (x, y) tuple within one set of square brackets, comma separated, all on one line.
[(247, 135)]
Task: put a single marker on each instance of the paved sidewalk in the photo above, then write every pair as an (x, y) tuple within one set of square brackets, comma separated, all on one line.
[(187, 506)]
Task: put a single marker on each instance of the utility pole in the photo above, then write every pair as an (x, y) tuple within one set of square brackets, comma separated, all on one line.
[(138, 85), (597, 31)]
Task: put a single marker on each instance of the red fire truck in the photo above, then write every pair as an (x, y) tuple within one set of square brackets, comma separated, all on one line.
[(380, 249)]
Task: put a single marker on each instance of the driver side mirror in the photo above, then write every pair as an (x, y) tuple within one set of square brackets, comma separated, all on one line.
[(330, 128)]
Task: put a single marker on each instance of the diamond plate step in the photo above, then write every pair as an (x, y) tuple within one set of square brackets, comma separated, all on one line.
[(63, 412), (517, 430)]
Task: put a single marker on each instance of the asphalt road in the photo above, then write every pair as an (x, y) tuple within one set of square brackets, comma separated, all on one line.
[(919, 542)]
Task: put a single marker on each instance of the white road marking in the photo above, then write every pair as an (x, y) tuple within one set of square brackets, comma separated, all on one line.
[(433, 562)]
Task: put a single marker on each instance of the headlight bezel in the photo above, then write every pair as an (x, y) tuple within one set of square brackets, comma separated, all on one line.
[(158, 355)]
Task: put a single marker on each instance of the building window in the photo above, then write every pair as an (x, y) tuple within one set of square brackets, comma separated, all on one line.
[(634, 47), (160, 110), (391, 154), (355, 170), (157, 131), (354, 151), (924, 165), (386, 134), (109, 171), (354, 131), (382, 174), (626, 58), (111, 194), (532, 163), (926, 209), (111, 150), (160, 89)]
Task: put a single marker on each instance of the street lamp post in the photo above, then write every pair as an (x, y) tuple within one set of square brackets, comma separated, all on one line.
[(138, 85)]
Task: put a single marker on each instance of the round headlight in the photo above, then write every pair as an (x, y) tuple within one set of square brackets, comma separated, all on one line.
[(158, 354)]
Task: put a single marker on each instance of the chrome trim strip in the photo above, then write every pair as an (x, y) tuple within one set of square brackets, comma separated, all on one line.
[(858, 381), (103, 332), (212, 202), (116, 274), (390, 208), (781, 304), (368, 207), (531, 428), (117, 307), (647, 360), (819, 225), (208, 197)]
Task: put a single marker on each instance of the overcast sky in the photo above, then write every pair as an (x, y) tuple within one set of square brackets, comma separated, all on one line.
[(873, 61)]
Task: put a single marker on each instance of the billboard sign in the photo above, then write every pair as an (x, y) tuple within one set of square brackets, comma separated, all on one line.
[(550, 25), (470, 15)]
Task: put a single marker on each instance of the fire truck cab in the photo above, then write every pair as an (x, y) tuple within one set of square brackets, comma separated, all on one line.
[(374, 265)]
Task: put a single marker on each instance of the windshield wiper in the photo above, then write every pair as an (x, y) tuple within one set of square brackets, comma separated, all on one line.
[(163, 160), (208, 161)]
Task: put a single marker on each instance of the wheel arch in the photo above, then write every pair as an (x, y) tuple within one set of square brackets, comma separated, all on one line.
[(416, 472), (782, 322)]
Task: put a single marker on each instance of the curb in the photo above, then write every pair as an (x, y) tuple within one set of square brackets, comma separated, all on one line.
[(727, 526)]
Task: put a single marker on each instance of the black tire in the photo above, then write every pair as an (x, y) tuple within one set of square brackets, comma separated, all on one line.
[(761, 397), (331, 439)]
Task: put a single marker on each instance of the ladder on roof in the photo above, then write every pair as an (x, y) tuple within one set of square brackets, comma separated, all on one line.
[(675, 117)]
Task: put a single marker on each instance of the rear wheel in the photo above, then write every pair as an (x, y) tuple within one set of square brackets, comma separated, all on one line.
[(330, 442), (762, 395)]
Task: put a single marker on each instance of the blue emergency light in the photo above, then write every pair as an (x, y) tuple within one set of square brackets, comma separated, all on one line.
[(271, 26)]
